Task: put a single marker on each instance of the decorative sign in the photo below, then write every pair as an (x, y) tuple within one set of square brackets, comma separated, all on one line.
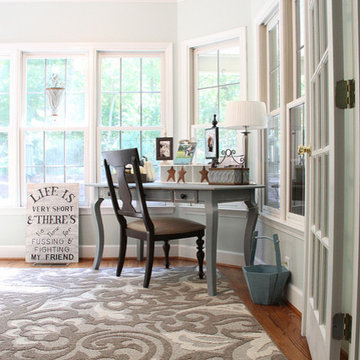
[(52, 222)]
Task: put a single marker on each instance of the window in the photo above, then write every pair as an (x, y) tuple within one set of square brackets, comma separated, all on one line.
[(296, 162), (114, 96), (54, 144), (4, 127), (272, 137), (283, 168), (299, 48), (217, 74), (131, 103)]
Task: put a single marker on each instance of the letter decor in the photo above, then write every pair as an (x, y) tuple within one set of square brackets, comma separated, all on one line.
[(52, 223)]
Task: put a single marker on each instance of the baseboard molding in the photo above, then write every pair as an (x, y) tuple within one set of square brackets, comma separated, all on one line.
[(223, 257), (295, 297), (112, 251), (12, 252)]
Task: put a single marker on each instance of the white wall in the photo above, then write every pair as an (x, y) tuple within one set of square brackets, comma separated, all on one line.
[(87, 22)]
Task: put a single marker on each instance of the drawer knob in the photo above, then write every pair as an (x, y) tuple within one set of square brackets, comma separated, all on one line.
[(183, 196)]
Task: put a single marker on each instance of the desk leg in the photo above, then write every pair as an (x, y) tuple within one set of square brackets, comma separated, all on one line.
[(211, 208), (99, 234), (140, 244), (140, 250), (250, 227)]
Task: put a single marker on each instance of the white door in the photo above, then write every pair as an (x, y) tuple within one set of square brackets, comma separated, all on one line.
[(354, 353), (325, 178)]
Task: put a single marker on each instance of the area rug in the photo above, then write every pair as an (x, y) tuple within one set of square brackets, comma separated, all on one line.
[(68, 313)]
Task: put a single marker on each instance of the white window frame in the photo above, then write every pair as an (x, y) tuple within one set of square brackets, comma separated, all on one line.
[(195, 120), (11, 130), (295, 48), (46, 128), (285, 12), (268, 210), (296, 220), (186, 110), (187, 58), (18, 51), (163, 124)]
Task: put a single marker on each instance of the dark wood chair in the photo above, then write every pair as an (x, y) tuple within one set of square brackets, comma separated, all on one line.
[(146, 228)]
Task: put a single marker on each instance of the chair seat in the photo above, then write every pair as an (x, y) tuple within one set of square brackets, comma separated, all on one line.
[(167, 226)]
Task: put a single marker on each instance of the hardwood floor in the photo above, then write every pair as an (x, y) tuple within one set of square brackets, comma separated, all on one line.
[(281, 322)]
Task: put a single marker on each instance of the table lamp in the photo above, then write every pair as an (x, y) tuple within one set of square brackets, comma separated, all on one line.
[(245, 115)]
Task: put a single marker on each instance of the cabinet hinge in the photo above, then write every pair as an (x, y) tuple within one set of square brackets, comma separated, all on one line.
[(341, 327), (345, 94)]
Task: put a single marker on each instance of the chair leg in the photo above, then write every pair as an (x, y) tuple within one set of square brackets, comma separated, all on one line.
[(149, 261), (122, 252), (200, 255), (166, 248)]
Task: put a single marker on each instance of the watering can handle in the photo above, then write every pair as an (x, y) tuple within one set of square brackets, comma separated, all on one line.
[(275, 240)]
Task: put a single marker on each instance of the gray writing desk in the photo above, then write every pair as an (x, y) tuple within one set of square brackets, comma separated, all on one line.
[(210, 195)]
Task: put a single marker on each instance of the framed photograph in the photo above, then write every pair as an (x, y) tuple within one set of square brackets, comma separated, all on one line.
[(212, 143), (164, 148), (185, 152)]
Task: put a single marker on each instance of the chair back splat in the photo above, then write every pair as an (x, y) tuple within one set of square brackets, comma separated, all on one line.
[(119, 159)]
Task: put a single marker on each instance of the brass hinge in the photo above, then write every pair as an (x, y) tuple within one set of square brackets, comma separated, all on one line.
[(345, 94), (341, 327)]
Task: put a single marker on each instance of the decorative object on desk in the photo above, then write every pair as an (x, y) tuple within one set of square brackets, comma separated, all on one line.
[(171, 173), (181, 176), (204, 174), (149, 170), (212, 143), (164, 148), (245, 115), (54, 93), (185, 152), (229, 176), (229, 160)]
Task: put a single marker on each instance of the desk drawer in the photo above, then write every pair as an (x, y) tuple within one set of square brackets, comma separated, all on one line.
[(185, 196)]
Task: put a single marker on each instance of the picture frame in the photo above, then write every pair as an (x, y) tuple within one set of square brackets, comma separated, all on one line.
[(185, 152), (164, 148), (212, 143)]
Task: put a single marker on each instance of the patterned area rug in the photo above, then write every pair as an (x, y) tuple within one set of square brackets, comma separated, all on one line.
[(84, 314)]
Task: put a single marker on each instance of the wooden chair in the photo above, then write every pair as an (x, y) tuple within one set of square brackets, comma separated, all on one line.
[(146, 228)]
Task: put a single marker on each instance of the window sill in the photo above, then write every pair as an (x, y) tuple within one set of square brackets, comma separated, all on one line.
[(290, 227)]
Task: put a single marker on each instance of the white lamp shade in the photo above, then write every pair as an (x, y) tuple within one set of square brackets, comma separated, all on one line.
[(239, 114)]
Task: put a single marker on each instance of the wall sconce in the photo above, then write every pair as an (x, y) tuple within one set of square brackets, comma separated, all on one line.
[(54, 93)]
